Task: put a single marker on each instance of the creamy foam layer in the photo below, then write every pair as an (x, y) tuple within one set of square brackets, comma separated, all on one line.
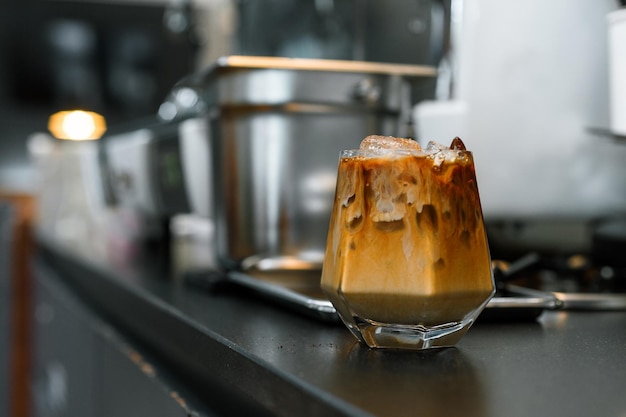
[(407, 234)]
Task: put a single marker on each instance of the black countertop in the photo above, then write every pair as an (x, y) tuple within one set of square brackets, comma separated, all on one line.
[(245, 355)]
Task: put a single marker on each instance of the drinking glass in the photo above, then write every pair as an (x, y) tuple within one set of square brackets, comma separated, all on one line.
[(407, 263)]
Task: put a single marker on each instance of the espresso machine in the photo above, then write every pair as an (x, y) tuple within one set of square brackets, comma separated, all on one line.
[(276, 127)]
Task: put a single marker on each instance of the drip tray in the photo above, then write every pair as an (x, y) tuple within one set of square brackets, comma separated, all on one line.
[(300, 291)]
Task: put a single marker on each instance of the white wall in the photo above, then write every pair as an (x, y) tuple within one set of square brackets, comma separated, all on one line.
[(532, 78)]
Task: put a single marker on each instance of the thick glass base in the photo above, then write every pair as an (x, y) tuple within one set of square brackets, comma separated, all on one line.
[(377, 335), (436, 328)]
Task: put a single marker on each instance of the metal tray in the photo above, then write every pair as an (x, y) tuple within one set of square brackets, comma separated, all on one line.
[(305, 296)]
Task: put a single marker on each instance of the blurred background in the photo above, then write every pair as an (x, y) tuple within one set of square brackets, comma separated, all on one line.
[(116, 58), (120, 58), (528, 86), (529, 76)]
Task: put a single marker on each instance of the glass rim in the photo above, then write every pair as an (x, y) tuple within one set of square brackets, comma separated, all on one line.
[(373, 153)]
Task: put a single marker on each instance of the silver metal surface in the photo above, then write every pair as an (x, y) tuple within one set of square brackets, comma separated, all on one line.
[(589, 301), (277, 126), (317, 307), (307, 298), (522, 297), (281, 263), (574, 301)]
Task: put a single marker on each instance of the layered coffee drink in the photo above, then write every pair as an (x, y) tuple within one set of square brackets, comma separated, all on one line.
[(407, 262)]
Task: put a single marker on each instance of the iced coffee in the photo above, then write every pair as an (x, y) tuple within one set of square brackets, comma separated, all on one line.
[(407, 262)]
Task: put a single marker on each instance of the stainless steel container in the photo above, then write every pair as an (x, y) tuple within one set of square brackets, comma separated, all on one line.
[(276, 126)]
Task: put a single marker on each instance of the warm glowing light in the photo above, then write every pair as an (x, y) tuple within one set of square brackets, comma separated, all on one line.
[(77, 125)]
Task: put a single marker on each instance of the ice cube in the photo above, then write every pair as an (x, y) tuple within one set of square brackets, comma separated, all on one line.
[(437, 152), (378, 143), (435, 147), (388, 192), (457, 144), (440, 153)]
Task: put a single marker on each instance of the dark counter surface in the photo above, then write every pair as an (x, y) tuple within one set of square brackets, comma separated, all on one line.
[(243, 354)]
